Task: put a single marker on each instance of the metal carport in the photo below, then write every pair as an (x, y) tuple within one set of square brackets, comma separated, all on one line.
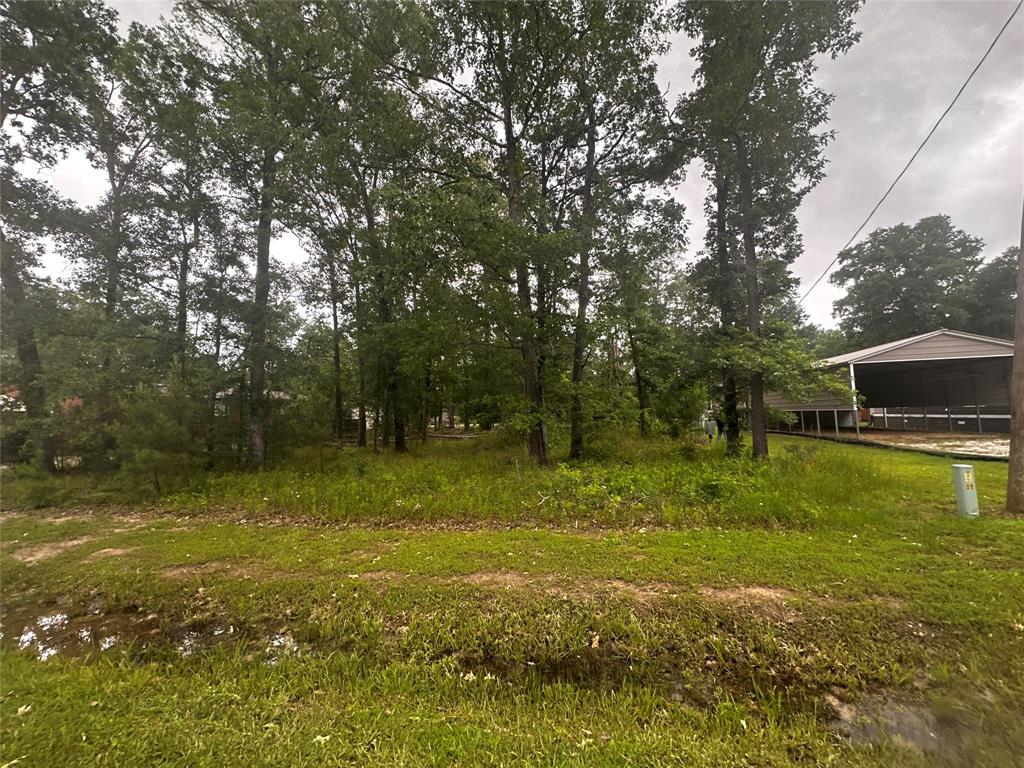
[(943, 380)]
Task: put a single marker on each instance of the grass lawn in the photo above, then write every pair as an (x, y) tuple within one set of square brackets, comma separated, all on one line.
[(456, 606)]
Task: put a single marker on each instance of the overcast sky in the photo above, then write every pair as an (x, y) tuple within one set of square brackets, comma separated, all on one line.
[(889, 90)]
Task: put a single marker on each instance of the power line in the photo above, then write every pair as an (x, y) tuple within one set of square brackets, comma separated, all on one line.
[(914, 156)]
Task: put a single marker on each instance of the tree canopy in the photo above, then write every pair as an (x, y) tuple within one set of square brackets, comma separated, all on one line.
[(484, 192), (909, 279)]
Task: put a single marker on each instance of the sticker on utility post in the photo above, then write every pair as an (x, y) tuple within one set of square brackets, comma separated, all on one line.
[(969, 480)]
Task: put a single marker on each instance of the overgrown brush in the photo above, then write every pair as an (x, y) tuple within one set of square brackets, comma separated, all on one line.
[(642, 483)]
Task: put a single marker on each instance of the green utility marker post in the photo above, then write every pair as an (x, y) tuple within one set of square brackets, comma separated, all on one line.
[(966, 490)]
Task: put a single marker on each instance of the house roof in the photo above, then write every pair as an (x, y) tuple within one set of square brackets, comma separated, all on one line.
[(942, 344)]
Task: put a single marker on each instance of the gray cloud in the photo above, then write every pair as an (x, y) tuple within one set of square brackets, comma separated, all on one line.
[(889, 91)]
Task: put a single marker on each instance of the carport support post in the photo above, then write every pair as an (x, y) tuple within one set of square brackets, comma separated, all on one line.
[(853, 394), (802, 428), (885, 418), (817, 422), (977, 410), (835, 416)]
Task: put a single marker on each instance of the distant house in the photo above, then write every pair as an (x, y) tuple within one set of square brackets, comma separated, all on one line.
[(939, 381), (10, 402), (226, 401)]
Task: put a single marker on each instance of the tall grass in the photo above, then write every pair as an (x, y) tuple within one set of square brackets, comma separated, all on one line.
[(640, 483)]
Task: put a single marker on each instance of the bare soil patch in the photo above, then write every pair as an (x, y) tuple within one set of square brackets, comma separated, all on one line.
[(106, 552), (243, 570), (642, 591), (36, 553), (188, 570), (768, 602), (501, 579)]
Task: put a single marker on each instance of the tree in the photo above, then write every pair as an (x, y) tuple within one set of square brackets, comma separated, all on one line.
[(758, 115), (989, 298), (612, 77), (52, 52), (267, 55), (640, 298), (513, 53), (905, 280)]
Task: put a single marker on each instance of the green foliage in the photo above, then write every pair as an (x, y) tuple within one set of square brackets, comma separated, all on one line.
[(656, 482), (156, 437), (906, 280)]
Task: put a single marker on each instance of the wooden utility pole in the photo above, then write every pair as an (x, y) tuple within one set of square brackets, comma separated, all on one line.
[(1015, 482)]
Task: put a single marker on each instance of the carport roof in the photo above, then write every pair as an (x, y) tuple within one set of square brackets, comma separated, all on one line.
[(942, 344)]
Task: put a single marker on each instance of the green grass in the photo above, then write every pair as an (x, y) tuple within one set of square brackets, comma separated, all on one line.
[(654, 483), (664, 606)]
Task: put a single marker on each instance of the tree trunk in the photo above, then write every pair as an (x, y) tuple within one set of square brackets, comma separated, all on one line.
[(111, 292), (258, 344), (332, 279), (112, 286), (385, 422), (184, 267), (758, 431), (1015, 481), (400, 445), (641, 383), (424, 410), (19, 325), (376, 422), (181, 311), (361, 365), (537, 440), (392, 400), (242, 432), (579, 340), (218, 332), (730, 399)]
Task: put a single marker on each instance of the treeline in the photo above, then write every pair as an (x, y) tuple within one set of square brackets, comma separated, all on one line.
[(484, 188)]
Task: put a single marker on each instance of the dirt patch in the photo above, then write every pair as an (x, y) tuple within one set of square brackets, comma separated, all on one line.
[(36, 553), (501, 579), (643, 593), (887, 601), (768, 602), (71, 517), (189, 570), (576, 589), (106, 552), (255, 572)]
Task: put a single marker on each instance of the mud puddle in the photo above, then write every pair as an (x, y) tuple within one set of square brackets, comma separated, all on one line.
[(74, 635), (882, 720), (59, 633)]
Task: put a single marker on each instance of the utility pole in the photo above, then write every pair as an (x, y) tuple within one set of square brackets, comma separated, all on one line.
[(1015, 482)]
